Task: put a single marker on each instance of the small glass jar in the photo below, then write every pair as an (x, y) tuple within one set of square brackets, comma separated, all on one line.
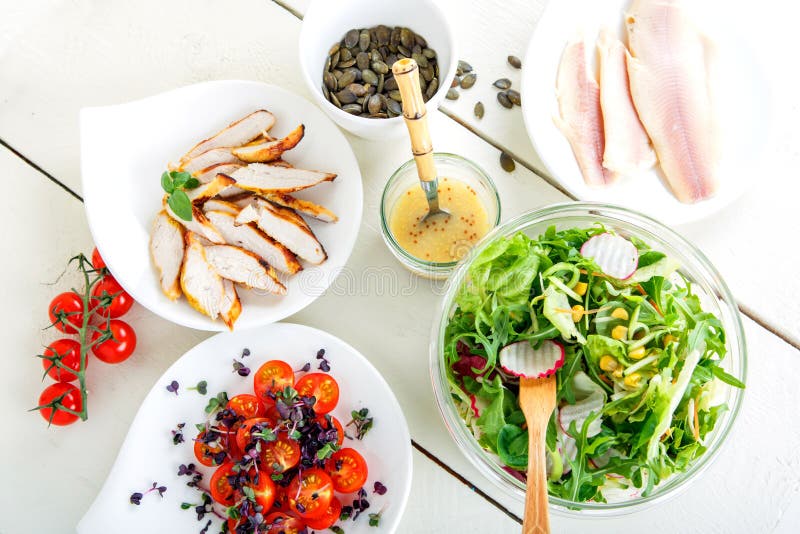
[(454, 168)]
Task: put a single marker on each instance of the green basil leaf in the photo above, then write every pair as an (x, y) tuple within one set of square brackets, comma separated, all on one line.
[(166, 182), (180, 178), (181, 205)]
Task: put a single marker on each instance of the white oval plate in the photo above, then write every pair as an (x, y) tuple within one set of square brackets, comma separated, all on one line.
[(125, 148), (743, 109), (148, 454)]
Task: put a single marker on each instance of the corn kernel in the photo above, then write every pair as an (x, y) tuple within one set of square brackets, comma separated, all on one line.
[(619, 332), (620, 313), (580, 288), (577, 313), (669, 338), (632, 380), (637, 354), (608, 363), (617, 373)]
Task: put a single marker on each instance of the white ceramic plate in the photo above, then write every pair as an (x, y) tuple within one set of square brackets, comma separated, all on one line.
[(743, 108), (148, 454), (125, 148)]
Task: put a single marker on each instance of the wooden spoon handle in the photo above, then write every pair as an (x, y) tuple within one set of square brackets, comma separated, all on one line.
[(406, 73), (537, 518)]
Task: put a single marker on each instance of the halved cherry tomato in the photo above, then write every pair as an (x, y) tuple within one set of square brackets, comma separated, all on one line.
[(310, 493), (66, 312), (71, 400), (233, 523), (322, 387), (118, 348), (97, 261), (264, 491), (348, 470), (323, 421), (247, 406), (283, 523), (273, 376), (70, 352), (327, 520), (221, 489), (204, 452), (118, 305), (280, 455), (243, 434)]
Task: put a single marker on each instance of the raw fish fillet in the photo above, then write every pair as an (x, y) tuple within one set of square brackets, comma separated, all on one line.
[(669, 79), (581, 120), (628, 151)]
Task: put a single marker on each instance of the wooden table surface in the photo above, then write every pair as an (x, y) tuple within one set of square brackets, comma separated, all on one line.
[(57, 56)]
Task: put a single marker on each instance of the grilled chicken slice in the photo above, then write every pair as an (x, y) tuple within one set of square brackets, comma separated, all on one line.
[(231, 307), (199, 224), (225, 206), (200, 282), (209, 158), (235, 134), (203, 192), (244, 267), (306, 207), (261, 178), (285, 226), (209, 173), (166, 249), (269, 150), (248, 237)]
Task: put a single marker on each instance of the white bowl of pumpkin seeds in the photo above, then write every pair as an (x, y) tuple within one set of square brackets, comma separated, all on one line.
[(347, 49)]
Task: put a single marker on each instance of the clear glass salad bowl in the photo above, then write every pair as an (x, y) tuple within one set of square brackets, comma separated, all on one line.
[(715, 297)]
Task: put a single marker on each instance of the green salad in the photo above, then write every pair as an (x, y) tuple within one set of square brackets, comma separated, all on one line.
[(636, 391)]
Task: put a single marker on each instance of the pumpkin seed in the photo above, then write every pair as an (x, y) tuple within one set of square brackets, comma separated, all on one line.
[(456, 81), (363, 40), (402, 50), (452, 94), (515, 62), (346, 96), (379, 116), (514, 97), (380, 67), (381, 78), (395, 95), (362, 60), (335, 101), (325, 92), (502, 97), (390, 84), (351, 38), (407, 37), (420, 40), (346, 64), (423, 85), (464, 67), (478, 109), (507, 162), (427, 73), (345, 55), (428, 53), (421, 60), (357, 89), (382, 34), (368, 76), (394, 107), (329, 80), (346, 79), (433, 86), (352, 109), (334, 49), (375, 104), (468, 80), (327, 65), (394, 38), (502, 83)]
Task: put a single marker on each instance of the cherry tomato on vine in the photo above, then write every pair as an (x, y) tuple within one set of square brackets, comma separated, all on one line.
[(284, 523), (205, 452), (70, 352), (66, 312), (280, 455), (273, 376), (220, 487), (97, 260), (118, 348), (119, 305), (310, 493), (247, 406), (323, 387), (328, 519), (348, 470), (70, 399)]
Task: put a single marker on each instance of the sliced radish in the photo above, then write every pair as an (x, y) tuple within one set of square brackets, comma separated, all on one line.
[(589, 397), (615, 255), (521, 359), (477, 405)]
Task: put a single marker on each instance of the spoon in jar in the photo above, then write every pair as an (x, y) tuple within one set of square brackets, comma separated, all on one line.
[(536, 369), (406, 73)]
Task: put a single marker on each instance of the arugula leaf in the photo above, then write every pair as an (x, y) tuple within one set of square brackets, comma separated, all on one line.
[(727, 378)]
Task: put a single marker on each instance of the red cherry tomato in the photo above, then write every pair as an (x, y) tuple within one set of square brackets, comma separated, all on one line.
[(328, 519), (97, 260), (264, 491), (105, 289), (66, 312), (221, 489), (205, 452), (348, 470), (70, 399), (273, 376), (120, 347), (70, 352), (243, 433), (283, 523), (323, 421), (247, 406), (322, 387), (310, 493), (280, 455)]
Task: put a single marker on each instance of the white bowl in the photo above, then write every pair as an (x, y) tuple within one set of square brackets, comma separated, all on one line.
[(326, 22)]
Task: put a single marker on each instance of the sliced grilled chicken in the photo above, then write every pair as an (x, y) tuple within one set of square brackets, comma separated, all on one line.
[(263, 179), (285, 226), (248, 237), (306, 207), (232, 191), (281, 163), (235, 134), (200, 194), (269, 150), (166, 249), (199, 224), (209, 173), (225, 206), (209, 158), (200, 282), (244, 267), (231, 307), (243, 199)]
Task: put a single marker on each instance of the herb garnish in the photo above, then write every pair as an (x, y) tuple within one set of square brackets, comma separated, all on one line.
[(239, 367), (136, 498), (177, 434), (173, 386), (379, 488), (375, 519), (201, 387), (215, 403), (324, 365), (362, 423), (176, 183)]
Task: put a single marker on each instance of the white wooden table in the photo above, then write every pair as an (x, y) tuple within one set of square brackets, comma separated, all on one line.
[(57, 56)]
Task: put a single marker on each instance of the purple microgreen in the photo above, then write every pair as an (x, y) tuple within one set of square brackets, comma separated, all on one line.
[(375, 519), (245, 353), (346, 513), (177, 434), (239, 367), (187, 470), (325, 366), (204, 530), (136, 498), (173, 387), (201, 387), (306, 368), (361, 421), (379, 488), (320, 354)]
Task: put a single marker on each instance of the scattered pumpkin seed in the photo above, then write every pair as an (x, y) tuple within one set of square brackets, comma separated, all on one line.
[(452, 94), (463, 67), (515, 62), (455, 83), (514, 97), (468, 80), (502, 83), (478, 109), (507, 162), (502, 97)]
